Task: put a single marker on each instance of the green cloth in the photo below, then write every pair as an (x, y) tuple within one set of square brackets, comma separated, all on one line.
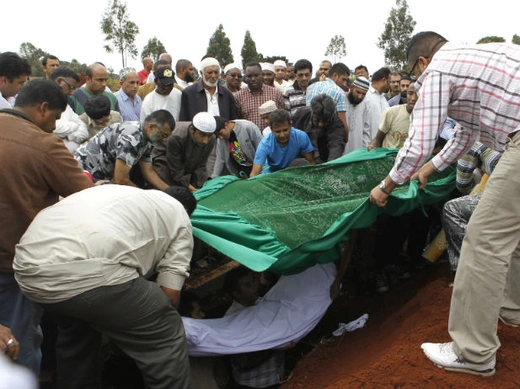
[(292, 219)]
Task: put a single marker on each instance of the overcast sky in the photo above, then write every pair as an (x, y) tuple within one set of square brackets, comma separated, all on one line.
[(70, 29)]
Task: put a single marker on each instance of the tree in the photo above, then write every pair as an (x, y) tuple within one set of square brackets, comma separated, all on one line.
[(516, 39), (396, 36), (491, 39), (34, 56), (119, 31), (220, 47), (249, 53), (336, 48), (153, 48), (271, 59)]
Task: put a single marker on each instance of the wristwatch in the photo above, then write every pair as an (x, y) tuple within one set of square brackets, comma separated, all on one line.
[(382, 186)]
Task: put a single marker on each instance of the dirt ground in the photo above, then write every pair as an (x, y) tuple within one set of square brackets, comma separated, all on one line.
[(386, 353)]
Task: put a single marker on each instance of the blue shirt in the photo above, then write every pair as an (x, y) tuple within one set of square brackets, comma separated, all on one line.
[(330, 88), (129, 111), (279, 157)]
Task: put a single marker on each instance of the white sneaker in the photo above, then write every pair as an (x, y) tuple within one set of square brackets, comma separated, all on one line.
[(443, 356)]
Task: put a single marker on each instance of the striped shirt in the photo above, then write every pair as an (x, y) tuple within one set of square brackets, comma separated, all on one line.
[(247, 103), (330, 88), (479, 156), (479, 87)]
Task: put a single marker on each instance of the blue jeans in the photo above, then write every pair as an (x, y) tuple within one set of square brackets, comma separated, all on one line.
[(23, 317)]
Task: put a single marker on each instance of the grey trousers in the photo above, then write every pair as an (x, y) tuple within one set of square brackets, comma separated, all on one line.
[(138, 318), (486, 284), (455, 217)]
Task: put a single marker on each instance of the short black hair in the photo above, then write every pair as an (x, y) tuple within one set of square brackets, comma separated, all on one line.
[(279, 116), (46, 57), (160, 118), (98, 107), (381, 74), (424, 44), (184, 196), (65, 72), (361, 67), (13, 66), (302, 64), (39, 91), (257, 64), (323, 106), (339, 68)]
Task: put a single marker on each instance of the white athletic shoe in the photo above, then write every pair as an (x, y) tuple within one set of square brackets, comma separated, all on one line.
[(443, 356)]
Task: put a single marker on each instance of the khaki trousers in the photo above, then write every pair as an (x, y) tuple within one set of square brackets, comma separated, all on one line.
[(487, 282)]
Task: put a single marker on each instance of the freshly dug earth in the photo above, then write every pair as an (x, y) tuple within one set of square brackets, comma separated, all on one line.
[(386, 353)]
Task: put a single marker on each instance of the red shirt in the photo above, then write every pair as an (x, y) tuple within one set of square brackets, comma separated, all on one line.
[(143, 76)]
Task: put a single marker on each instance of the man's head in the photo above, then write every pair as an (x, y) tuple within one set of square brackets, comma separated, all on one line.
[(395, 79), (185, 70), (158, 126), (184, 196), (14, 71), (411, 97), (323, 70), (265, 110), (303, 73), (210, 72), (361, 71), (167, 57), (97, 77), (280, 123), (358, 90), (268, 73), (203, 128), (148, 64), (190, 303), (290, 74), (164, 80), (404, 83), (66, 78), (233, 76), (224, 127), (49, 64), (280, 70), (381, 80), (129, 81), (42, 101), (323, 110), (242, 285), (98, 109), (340, 73), (254, 77), (421, 49)]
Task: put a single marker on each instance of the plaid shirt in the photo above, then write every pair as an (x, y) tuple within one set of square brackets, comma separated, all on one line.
[(330, 88), (478, 86), (248, 103)]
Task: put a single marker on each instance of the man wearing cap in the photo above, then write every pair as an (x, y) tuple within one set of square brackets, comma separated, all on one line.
[(280, 70), (165, 96), (268, 73), (355, 116), (114, 151), (249, 99), (187, 152), (129, 103), (264, 110), (207, 95), (233, 78)]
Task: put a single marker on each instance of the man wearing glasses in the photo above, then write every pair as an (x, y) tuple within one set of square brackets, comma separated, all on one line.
[(117, 149), (478, 86), (294, 95)]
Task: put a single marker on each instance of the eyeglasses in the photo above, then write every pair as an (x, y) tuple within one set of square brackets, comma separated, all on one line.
[(433, 51), (411, 74), (71, 87), (235, 75)]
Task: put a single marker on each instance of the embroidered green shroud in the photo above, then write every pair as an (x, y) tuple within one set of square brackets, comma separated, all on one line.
[(297, 217)]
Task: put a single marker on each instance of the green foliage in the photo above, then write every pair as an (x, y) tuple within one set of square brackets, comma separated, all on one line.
[(491, 39), (336, 48), (153, 48), (119, 31), (220, 47), (249, 53), (274, 58), (397, 35), (516, 39), (34, 56)]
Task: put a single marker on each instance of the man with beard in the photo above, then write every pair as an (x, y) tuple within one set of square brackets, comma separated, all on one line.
[(249, 99), (114, 151), (355, 117), (294, 95), (207, 95), (185, 73), (282, 146), (165, 96)]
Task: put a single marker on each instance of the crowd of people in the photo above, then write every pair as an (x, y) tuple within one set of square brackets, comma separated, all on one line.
[(110, 261)]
